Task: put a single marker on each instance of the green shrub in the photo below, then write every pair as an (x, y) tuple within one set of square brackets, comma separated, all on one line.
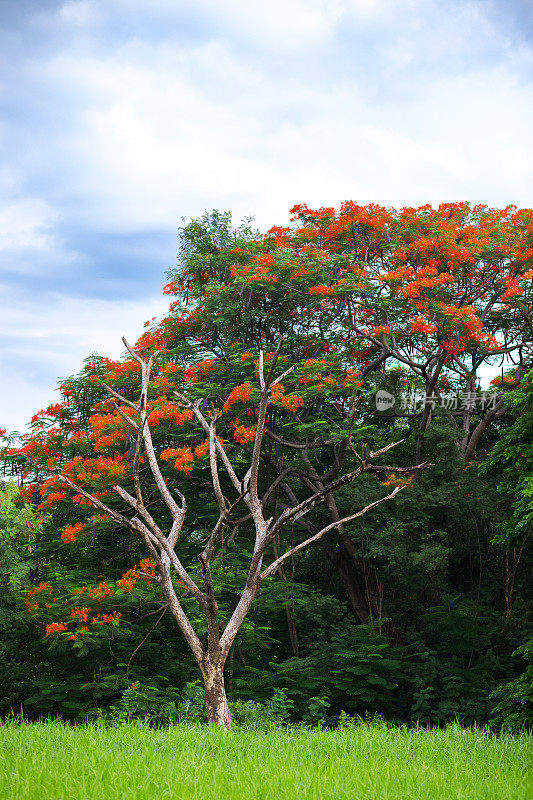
[(514, 711)]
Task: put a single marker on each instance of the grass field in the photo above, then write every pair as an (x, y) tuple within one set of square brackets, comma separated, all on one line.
[(133, 762)]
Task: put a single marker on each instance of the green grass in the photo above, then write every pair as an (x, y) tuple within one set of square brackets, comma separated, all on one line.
[(133, 762)]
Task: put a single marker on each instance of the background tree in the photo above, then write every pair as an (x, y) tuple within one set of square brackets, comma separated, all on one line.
[(20, 527), (429, 290)]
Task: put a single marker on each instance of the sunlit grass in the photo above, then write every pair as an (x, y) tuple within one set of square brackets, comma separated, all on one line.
[(59, 762)]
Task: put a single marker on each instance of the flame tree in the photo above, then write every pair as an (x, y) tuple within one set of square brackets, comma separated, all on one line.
[(142, 470), (244, 402)]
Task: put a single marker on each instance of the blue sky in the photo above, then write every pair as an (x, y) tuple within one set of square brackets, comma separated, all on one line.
[(120, 117)]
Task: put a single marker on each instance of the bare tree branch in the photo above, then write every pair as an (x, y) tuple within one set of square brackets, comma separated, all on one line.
[(120, 397), (275, 564), (214, 467), (220, 450), (127, 420)]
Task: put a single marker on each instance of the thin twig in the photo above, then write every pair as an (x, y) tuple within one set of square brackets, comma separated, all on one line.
[(147, 635)]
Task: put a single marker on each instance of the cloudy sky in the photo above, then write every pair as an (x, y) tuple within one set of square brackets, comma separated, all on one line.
[(120, 117)]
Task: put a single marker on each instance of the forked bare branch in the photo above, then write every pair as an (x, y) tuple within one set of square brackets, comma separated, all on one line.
[(289, 553)]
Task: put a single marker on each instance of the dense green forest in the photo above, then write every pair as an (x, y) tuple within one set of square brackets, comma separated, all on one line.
[(409, 328)]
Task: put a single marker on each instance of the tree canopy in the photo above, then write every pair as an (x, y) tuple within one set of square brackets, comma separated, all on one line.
[(273, 349)]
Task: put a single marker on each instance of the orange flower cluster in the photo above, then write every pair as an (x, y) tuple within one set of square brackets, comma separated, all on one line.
[(53, 410), (321, 290), (307, 233), (381, 329), (39, 445), (108, 429), (501, 380), (101, 619), (240, 270), (277, 392), (114, 370), (100, 518), (70, 532), (67, 390), (279, 234), (512, 288), (173, 287), (420, 324), (102, 468), (100, 591), (238, 251), (42, 587), (131, 577), (56, 627), (78, 437), (241, 394), (396, 480), (243, 434), (292, 402), (50, 497), (172, 369), (170, 412), (148, 565), (202, 449), (319, 252), (258, 268), (80, 614), (80, 632), (264, 262), (299, 270), (82, 501), (465, 326), (425, 278), (193, 373), (351, 379), (162, 385), (128, 580), (183, 456)]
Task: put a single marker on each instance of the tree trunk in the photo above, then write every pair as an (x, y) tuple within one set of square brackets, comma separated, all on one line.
[(347, 572), (359, 583), (215, 695), (431, 384)]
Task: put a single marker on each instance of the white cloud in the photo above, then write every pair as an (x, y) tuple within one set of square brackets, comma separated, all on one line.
[(167, 132), (79, 13), (89, 324), (49, 337), (276, 25), (158, 144), (26, 224)]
